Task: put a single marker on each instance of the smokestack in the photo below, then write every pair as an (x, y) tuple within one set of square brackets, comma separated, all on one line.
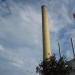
[(45, 31)]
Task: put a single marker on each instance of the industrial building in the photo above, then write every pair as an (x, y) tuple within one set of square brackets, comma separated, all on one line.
[(46, 39)]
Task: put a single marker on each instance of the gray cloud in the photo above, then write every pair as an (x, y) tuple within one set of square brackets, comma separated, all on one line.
[(21, 34)]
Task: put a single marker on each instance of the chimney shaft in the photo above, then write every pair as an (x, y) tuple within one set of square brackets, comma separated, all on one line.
[(45, 31)]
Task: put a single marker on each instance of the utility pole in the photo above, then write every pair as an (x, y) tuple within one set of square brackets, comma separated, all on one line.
[(72, 48), (59, 50)]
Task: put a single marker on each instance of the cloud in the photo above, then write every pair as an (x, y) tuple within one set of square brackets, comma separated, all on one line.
[(19, 36), (20, 29), (1, 48), (18, 59), (21, 33)]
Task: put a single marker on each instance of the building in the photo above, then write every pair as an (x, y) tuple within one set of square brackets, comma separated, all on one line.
[(46, 39)]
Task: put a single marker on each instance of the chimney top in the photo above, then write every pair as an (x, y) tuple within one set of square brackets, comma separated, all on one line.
[(44, 6)]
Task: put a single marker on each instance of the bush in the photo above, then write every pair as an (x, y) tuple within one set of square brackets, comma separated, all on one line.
[(54, 67)]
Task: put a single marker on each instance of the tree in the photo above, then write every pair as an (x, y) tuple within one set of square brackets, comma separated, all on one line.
[(54, 67)]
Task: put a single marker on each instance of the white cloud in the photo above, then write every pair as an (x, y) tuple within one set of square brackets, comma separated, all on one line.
[(1, 48), (21, 33)]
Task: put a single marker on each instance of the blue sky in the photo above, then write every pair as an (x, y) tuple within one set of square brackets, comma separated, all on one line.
[(21, 33)]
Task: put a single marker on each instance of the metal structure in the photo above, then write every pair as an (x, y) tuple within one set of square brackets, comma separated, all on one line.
[(72, 48), (59, 50)]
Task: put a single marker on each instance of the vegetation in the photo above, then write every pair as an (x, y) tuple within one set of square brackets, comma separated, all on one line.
[(54, 67)]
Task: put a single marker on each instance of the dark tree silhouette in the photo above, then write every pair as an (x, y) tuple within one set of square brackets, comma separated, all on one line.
[(54, 67)]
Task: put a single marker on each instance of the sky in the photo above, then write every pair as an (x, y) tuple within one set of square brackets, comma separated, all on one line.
[(21, 33)]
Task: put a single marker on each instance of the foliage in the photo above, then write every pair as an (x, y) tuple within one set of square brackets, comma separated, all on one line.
[(54, 67)]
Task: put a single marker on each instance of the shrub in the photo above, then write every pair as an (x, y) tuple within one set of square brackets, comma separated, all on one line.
[(54, 67)]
